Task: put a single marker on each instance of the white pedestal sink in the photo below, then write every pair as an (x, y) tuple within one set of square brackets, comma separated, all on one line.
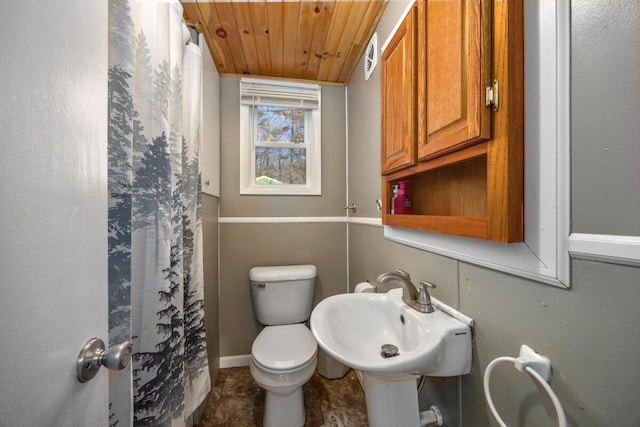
[(391, 401), (352, 328)]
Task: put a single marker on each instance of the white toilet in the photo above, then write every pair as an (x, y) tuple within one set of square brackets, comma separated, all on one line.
[(284, 354)]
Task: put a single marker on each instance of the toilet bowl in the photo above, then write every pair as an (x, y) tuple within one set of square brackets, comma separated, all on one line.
[(283, 358), (284, 354)]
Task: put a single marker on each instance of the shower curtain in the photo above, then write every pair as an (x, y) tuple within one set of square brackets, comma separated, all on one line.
[(154, 218)]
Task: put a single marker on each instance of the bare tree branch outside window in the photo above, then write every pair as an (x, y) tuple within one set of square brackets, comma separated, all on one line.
[(279, 160)]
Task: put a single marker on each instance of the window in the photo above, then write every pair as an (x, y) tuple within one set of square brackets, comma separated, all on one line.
[(279, 138)]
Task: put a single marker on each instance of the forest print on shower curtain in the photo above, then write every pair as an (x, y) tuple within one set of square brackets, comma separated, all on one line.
[(154, 218)]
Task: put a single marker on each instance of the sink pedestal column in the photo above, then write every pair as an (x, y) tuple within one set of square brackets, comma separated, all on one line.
[(391, 401)]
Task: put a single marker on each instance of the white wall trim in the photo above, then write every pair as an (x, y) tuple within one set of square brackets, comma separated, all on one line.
[(606, 248), (281, 219), (563, 148), (375, 222), (235, 361), (395, 27), (514, 258)]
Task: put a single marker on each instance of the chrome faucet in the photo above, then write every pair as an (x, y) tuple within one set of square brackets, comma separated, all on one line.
[(416, 298)]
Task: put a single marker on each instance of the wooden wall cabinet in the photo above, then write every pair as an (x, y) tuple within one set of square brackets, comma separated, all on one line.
[(463, 158), (400, 97)]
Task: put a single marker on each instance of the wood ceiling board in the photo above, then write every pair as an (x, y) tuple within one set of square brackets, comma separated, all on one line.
[(356, 13), (319, 40), (315, 19), (248, 38), (339, 21), (302, 40), (306, 27), (225, 29), (274, 15), (258, 13), (220, 37), (365, 30), (291, 13)]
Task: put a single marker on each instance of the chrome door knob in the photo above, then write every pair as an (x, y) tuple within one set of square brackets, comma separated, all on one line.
[(117, 357), (93, 355)]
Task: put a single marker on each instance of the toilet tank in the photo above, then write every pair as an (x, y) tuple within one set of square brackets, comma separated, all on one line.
[(282, 295)]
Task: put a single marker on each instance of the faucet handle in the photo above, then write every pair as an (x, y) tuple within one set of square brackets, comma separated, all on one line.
[(424, 298), (403, 273), (424, 283)]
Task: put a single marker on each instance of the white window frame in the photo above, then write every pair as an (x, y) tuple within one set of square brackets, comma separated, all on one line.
[(313, 145), (544, 256)]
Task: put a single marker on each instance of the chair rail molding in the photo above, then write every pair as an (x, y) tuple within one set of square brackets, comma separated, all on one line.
[(608, 248), (279, 219)]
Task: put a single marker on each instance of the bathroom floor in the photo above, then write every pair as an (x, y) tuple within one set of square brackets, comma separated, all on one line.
[(237, 401)]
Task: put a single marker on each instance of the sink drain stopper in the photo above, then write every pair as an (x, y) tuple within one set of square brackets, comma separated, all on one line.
[(388, 350)]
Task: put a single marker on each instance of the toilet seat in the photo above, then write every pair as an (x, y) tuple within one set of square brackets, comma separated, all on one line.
[(284, 347)]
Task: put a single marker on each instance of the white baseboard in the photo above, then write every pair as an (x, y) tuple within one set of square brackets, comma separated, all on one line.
[(235, 361)]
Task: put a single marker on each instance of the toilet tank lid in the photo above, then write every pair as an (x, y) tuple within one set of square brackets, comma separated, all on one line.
[(283, 272)]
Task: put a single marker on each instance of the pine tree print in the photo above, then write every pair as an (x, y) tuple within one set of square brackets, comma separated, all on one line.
[(154, 228), (163, 395), (143, 97), (119, 211), (121, 34), (175, 121), (195, 343), (120, 132), (190, 172), (152, 186), (113, 422), (161, 91)]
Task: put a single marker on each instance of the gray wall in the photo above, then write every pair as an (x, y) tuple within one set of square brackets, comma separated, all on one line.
[(211, 293), (590, 332), (243, 246), (247, 245), (331, 203), (604, 85)]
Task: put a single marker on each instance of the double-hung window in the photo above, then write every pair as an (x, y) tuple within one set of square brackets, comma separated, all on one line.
[(279, 138)]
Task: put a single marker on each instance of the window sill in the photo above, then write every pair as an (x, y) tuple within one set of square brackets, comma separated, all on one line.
[(276, 190)]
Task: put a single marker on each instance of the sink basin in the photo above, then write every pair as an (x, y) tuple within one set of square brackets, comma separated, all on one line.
[(352, 328)]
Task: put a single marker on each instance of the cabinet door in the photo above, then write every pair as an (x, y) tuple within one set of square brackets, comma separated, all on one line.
[(458, 60), (399, 98)]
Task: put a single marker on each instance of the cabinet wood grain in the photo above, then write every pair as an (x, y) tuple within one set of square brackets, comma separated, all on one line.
[(399, 97), (458, 61), (464, 160)]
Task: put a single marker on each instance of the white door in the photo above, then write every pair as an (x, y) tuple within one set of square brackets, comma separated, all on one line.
[(53, 210)]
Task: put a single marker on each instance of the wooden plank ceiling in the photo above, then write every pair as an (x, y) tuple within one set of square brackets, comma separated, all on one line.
[(302, 40)]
